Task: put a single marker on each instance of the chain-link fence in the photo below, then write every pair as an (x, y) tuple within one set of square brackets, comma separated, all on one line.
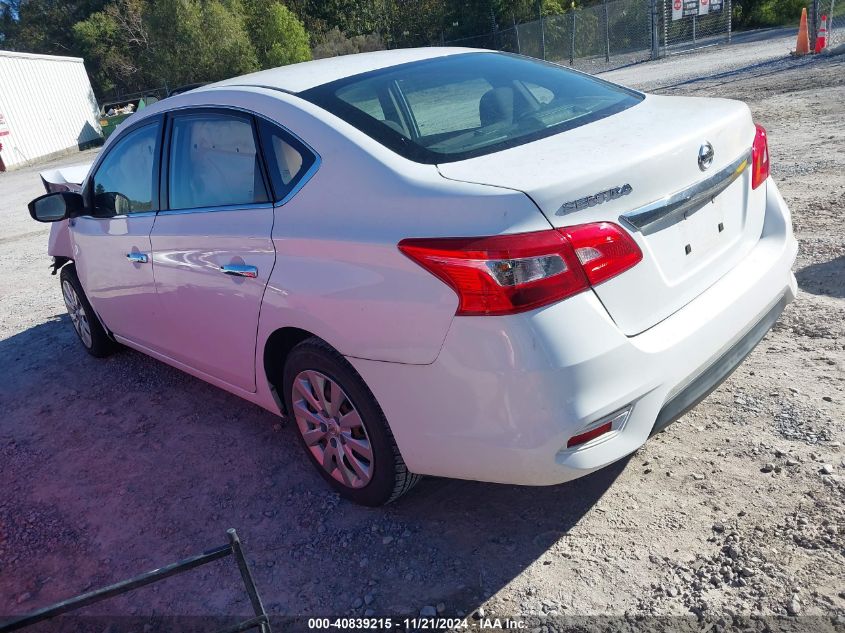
[(691, 23), (613, 33), (834, 12), (596, 38), (599, 37)]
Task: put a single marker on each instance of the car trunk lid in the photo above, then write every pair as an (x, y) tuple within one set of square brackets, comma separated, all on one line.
[(640, 169)]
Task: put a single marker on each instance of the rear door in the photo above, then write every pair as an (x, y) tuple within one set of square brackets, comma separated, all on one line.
[(112, 242), (211, 244)]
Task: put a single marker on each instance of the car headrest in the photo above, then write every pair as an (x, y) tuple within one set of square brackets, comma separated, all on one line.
[(496, 106)]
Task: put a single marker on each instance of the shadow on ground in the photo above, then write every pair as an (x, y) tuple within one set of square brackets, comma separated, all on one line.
[(825, 278), (113, 467)]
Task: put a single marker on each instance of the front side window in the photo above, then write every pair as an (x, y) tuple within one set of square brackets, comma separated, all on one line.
[(214, 162), (124, 181), (465, 105)]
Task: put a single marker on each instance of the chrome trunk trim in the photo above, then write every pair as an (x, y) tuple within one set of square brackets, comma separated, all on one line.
[(667, 211)]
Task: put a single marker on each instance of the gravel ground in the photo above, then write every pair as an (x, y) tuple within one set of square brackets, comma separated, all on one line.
[(730, 519)]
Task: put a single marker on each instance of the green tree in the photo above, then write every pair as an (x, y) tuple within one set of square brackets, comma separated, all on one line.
[(133, 45), (334, 43), (352, 17), (422, 22), (8, 24), (46, 26), (116, 45), (756, 13), (277, 35), (198, 40)]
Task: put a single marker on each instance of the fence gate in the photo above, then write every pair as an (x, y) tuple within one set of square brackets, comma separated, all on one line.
[(690, 24)]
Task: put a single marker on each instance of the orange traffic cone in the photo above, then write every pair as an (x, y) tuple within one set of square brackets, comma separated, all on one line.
[(821, 38), (803, 45)]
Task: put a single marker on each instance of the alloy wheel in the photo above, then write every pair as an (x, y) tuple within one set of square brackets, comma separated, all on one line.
[(77, 313), (332, 428)]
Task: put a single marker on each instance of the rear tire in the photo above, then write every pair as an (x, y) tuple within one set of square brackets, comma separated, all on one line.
[(342, 427), (91, 333)]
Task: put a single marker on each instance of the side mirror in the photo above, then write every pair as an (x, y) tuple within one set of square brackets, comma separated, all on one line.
[(56, 206), (111, 203)]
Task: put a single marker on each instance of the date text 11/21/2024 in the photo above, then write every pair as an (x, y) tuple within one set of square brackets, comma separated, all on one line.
[(414, 623)]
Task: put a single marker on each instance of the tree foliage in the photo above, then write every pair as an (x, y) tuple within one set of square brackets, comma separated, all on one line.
[(277, 34), (335, 42), (756, 13), (195, 41), (116, 45), (45, 26), (132, 45)]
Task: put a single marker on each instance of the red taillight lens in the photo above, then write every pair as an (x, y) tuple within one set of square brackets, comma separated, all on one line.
[(603, 249), (759, 158), (503, 274), (507, 274)]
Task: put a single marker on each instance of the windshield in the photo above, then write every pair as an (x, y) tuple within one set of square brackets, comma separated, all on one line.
[(461, 106)]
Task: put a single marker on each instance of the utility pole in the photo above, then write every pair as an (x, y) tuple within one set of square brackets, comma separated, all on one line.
[(655, 24), (542, 29), (493, 27), (730, 18)]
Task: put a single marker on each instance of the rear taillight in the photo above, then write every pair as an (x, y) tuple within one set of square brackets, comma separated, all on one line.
[(603, 249), (759, 158), (507, 274)]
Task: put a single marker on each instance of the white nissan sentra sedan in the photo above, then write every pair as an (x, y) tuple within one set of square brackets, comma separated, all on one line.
[(436, 262)]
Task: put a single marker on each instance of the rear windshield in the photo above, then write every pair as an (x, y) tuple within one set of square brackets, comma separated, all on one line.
[(461, 106)]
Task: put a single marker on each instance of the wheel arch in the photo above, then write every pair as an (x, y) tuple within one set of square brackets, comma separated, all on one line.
[(276, 350), (60, 262)]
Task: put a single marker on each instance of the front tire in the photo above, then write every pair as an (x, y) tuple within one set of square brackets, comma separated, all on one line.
[(341, 426), (86, 324)]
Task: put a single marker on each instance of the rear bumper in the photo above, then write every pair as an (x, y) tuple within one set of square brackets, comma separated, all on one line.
[(506, 393), (718, 372)]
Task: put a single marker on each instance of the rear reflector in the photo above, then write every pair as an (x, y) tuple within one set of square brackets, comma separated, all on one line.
[(759, 158), (592, 434), (613, 422), (508, 274)]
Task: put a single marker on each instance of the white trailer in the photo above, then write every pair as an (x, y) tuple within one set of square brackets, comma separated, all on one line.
[(47, 108)]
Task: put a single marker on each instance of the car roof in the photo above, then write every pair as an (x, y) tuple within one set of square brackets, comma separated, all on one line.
[(305, 75)]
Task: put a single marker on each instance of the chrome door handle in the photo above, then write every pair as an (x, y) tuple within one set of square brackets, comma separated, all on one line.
[(240, 270), (138, 258)]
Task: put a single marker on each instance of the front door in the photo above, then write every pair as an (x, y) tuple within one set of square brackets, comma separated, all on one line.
[(211, 244), (112, 242)]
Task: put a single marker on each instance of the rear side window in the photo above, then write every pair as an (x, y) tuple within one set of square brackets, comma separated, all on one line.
[(214, 161), (124, 181), (465, 105), (288, 159)]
